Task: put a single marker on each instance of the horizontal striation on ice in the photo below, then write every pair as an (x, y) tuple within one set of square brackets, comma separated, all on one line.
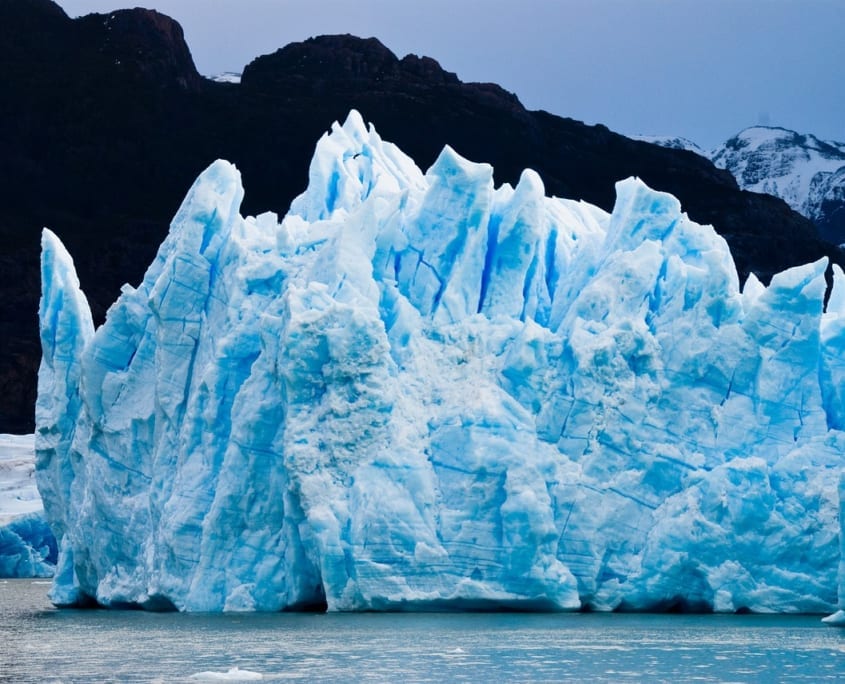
[(421, 391)]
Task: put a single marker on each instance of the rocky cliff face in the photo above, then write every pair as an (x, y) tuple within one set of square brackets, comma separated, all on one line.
[(104, 121)]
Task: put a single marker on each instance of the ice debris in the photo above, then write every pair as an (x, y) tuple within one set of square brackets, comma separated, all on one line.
[(233, 674)]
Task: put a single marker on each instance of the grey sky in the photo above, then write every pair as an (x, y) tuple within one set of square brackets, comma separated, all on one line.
[(702, 69)]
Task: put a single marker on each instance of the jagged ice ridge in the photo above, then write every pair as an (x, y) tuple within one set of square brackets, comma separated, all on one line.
[(422, 391)]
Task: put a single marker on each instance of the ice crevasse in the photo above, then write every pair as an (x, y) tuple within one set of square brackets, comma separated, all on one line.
[(421, 391)]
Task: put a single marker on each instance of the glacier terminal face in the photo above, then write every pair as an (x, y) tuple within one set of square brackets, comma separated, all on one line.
[(421, 391)]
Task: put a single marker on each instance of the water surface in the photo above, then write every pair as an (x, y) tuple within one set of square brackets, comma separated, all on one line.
[(41, 644)]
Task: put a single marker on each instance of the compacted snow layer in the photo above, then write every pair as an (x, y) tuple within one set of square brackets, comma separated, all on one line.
[(420, 391), (27, 547)]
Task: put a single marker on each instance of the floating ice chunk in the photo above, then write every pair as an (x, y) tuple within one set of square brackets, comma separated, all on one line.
[(233, 674), (837, 619)]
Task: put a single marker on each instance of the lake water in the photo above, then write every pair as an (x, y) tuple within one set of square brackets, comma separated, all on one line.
[(41, 644)]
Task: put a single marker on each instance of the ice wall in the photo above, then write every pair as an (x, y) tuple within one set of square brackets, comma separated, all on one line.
[(422, 391)]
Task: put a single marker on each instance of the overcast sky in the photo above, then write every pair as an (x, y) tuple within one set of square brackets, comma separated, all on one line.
[(702, 69)]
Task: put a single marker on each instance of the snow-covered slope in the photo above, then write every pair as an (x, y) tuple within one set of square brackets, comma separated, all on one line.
[(27, 547), (808, 173), (421, 391)]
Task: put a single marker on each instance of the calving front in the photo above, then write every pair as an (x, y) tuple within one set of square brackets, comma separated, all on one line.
[(422, 391)]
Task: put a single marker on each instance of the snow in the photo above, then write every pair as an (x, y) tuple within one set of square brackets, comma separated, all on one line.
[(226, 77), (27, 547), (419, 391)]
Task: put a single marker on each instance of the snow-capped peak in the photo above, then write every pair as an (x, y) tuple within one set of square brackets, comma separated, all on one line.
[(801, 169)]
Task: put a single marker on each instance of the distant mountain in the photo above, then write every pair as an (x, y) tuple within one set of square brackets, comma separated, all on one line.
[(808, 173), (105, 122), (805, 172)]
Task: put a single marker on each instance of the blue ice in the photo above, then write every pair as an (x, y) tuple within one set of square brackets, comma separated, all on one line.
[(418, 390)]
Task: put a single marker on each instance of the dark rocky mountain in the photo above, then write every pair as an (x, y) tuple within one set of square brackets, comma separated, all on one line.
[(105, 122)]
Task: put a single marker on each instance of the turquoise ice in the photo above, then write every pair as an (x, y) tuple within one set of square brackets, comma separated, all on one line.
[(419, 391)]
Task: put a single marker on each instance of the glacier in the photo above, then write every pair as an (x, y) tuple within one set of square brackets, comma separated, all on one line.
[(27, 545), (421, 391)]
